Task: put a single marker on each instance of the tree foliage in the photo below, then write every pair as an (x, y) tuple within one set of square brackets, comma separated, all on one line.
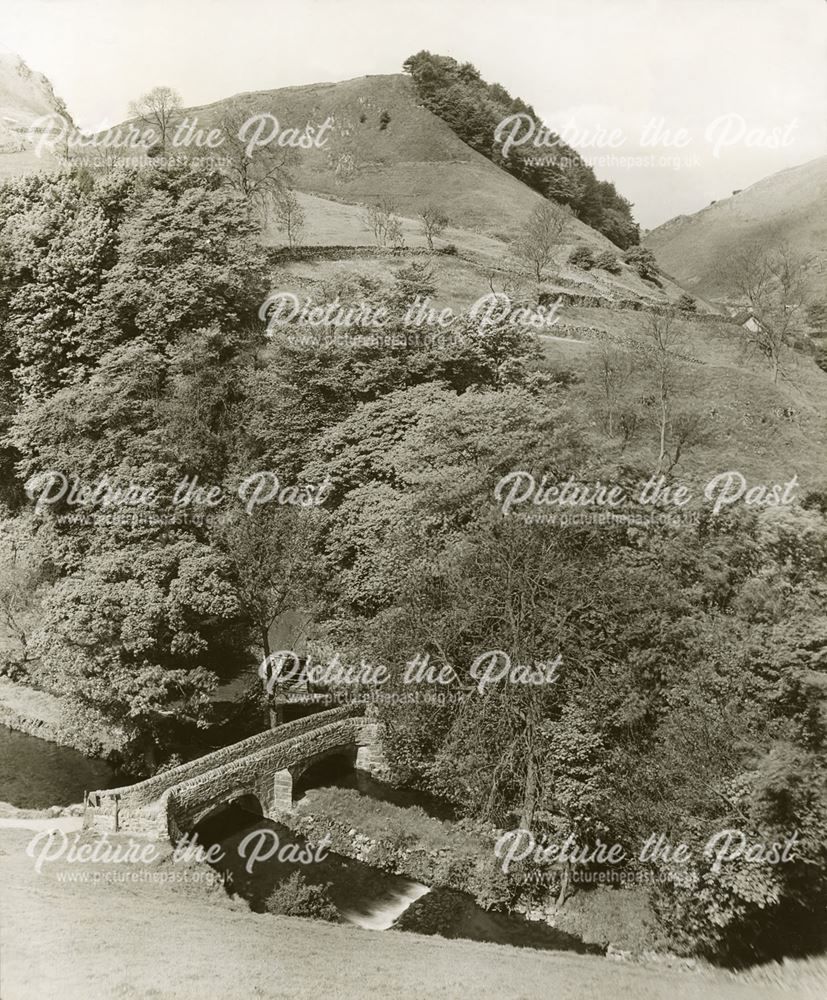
[(473, 108)]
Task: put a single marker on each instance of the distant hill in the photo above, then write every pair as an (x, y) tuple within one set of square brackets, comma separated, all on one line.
[(25, 96), (790, 206), (385, 144)]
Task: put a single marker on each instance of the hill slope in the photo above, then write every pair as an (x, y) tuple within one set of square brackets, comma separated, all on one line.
[(789, 206), (383, 143), (25, 96)]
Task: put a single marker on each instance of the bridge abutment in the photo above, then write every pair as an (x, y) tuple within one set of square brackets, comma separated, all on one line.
[(370, 756), (282, 800)]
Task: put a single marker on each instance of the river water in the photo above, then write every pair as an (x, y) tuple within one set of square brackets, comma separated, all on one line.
[(366, 896), (35, 774)]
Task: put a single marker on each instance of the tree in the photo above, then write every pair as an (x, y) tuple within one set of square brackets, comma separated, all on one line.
[(772, 280), (289, 216), (607, 261), (155, 281), (381, 220), (25, 574), (262, 176), (138, 634), (643, 261), (270, 550), (412, 282), (478, 111), (434, 222), (677, 428), (158, 108), (542, 233), (614, 365), (582, 257)]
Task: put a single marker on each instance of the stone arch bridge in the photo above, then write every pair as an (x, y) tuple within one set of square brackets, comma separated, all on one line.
[(264, 766)]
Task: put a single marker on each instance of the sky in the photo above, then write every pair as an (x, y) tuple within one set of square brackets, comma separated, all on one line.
[(698, 97)]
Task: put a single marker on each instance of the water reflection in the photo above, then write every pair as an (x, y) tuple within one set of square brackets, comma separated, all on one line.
[(35, 774)]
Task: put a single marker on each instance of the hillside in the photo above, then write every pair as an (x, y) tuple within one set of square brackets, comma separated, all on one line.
[(208, 946), (790, 206), (767, 432), (415, 158), (25, 96), (383, 144), (462, 277)]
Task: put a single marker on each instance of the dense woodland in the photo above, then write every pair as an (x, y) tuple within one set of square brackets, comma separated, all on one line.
[(473, 108), (132, 348)]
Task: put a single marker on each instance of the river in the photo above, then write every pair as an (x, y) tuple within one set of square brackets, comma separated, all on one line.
[(35, 774), (366, 896)]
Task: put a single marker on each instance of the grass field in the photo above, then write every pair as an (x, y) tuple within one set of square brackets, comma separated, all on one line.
[(183, 941)]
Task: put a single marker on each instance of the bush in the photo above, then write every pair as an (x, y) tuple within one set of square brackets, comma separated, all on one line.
[(607, 261), (643, 261), (754, 910), (12, 666), (296, 897), (384, 120), (490, 885), (583, 257), (450, 249), (687, 304)]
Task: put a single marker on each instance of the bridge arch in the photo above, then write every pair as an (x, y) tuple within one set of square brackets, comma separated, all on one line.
[(329, 760), (249, 800), (258, 773)]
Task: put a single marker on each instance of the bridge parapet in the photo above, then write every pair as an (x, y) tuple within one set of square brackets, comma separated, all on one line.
[(265, 774), (142, 806)]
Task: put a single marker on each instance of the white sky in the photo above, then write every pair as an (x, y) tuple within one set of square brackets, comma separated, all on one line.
[(607, 63)]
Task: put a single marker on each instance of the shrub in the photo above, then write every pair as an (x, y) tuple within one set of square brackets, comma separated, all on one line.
[(607, 261), (490, 885), (450, 249), (384, 120), (687, 304), (643, 261), (747, 910), (583, 257), (296, 897)]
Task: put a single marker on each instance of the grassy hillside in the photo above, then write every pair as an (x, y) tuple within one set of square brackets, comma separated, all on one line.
[(787, 206), (415, 158), (202, 945), (460, 278), (767, 432)]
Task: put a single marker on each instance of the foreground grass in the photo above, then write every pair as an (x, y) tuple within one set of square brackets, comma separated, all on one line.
[(186, 942)]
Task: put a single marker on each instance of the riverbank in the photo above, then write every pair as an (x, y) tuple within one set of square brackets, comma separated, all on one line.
[(443, 854), (60, 939), (56, 720)]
